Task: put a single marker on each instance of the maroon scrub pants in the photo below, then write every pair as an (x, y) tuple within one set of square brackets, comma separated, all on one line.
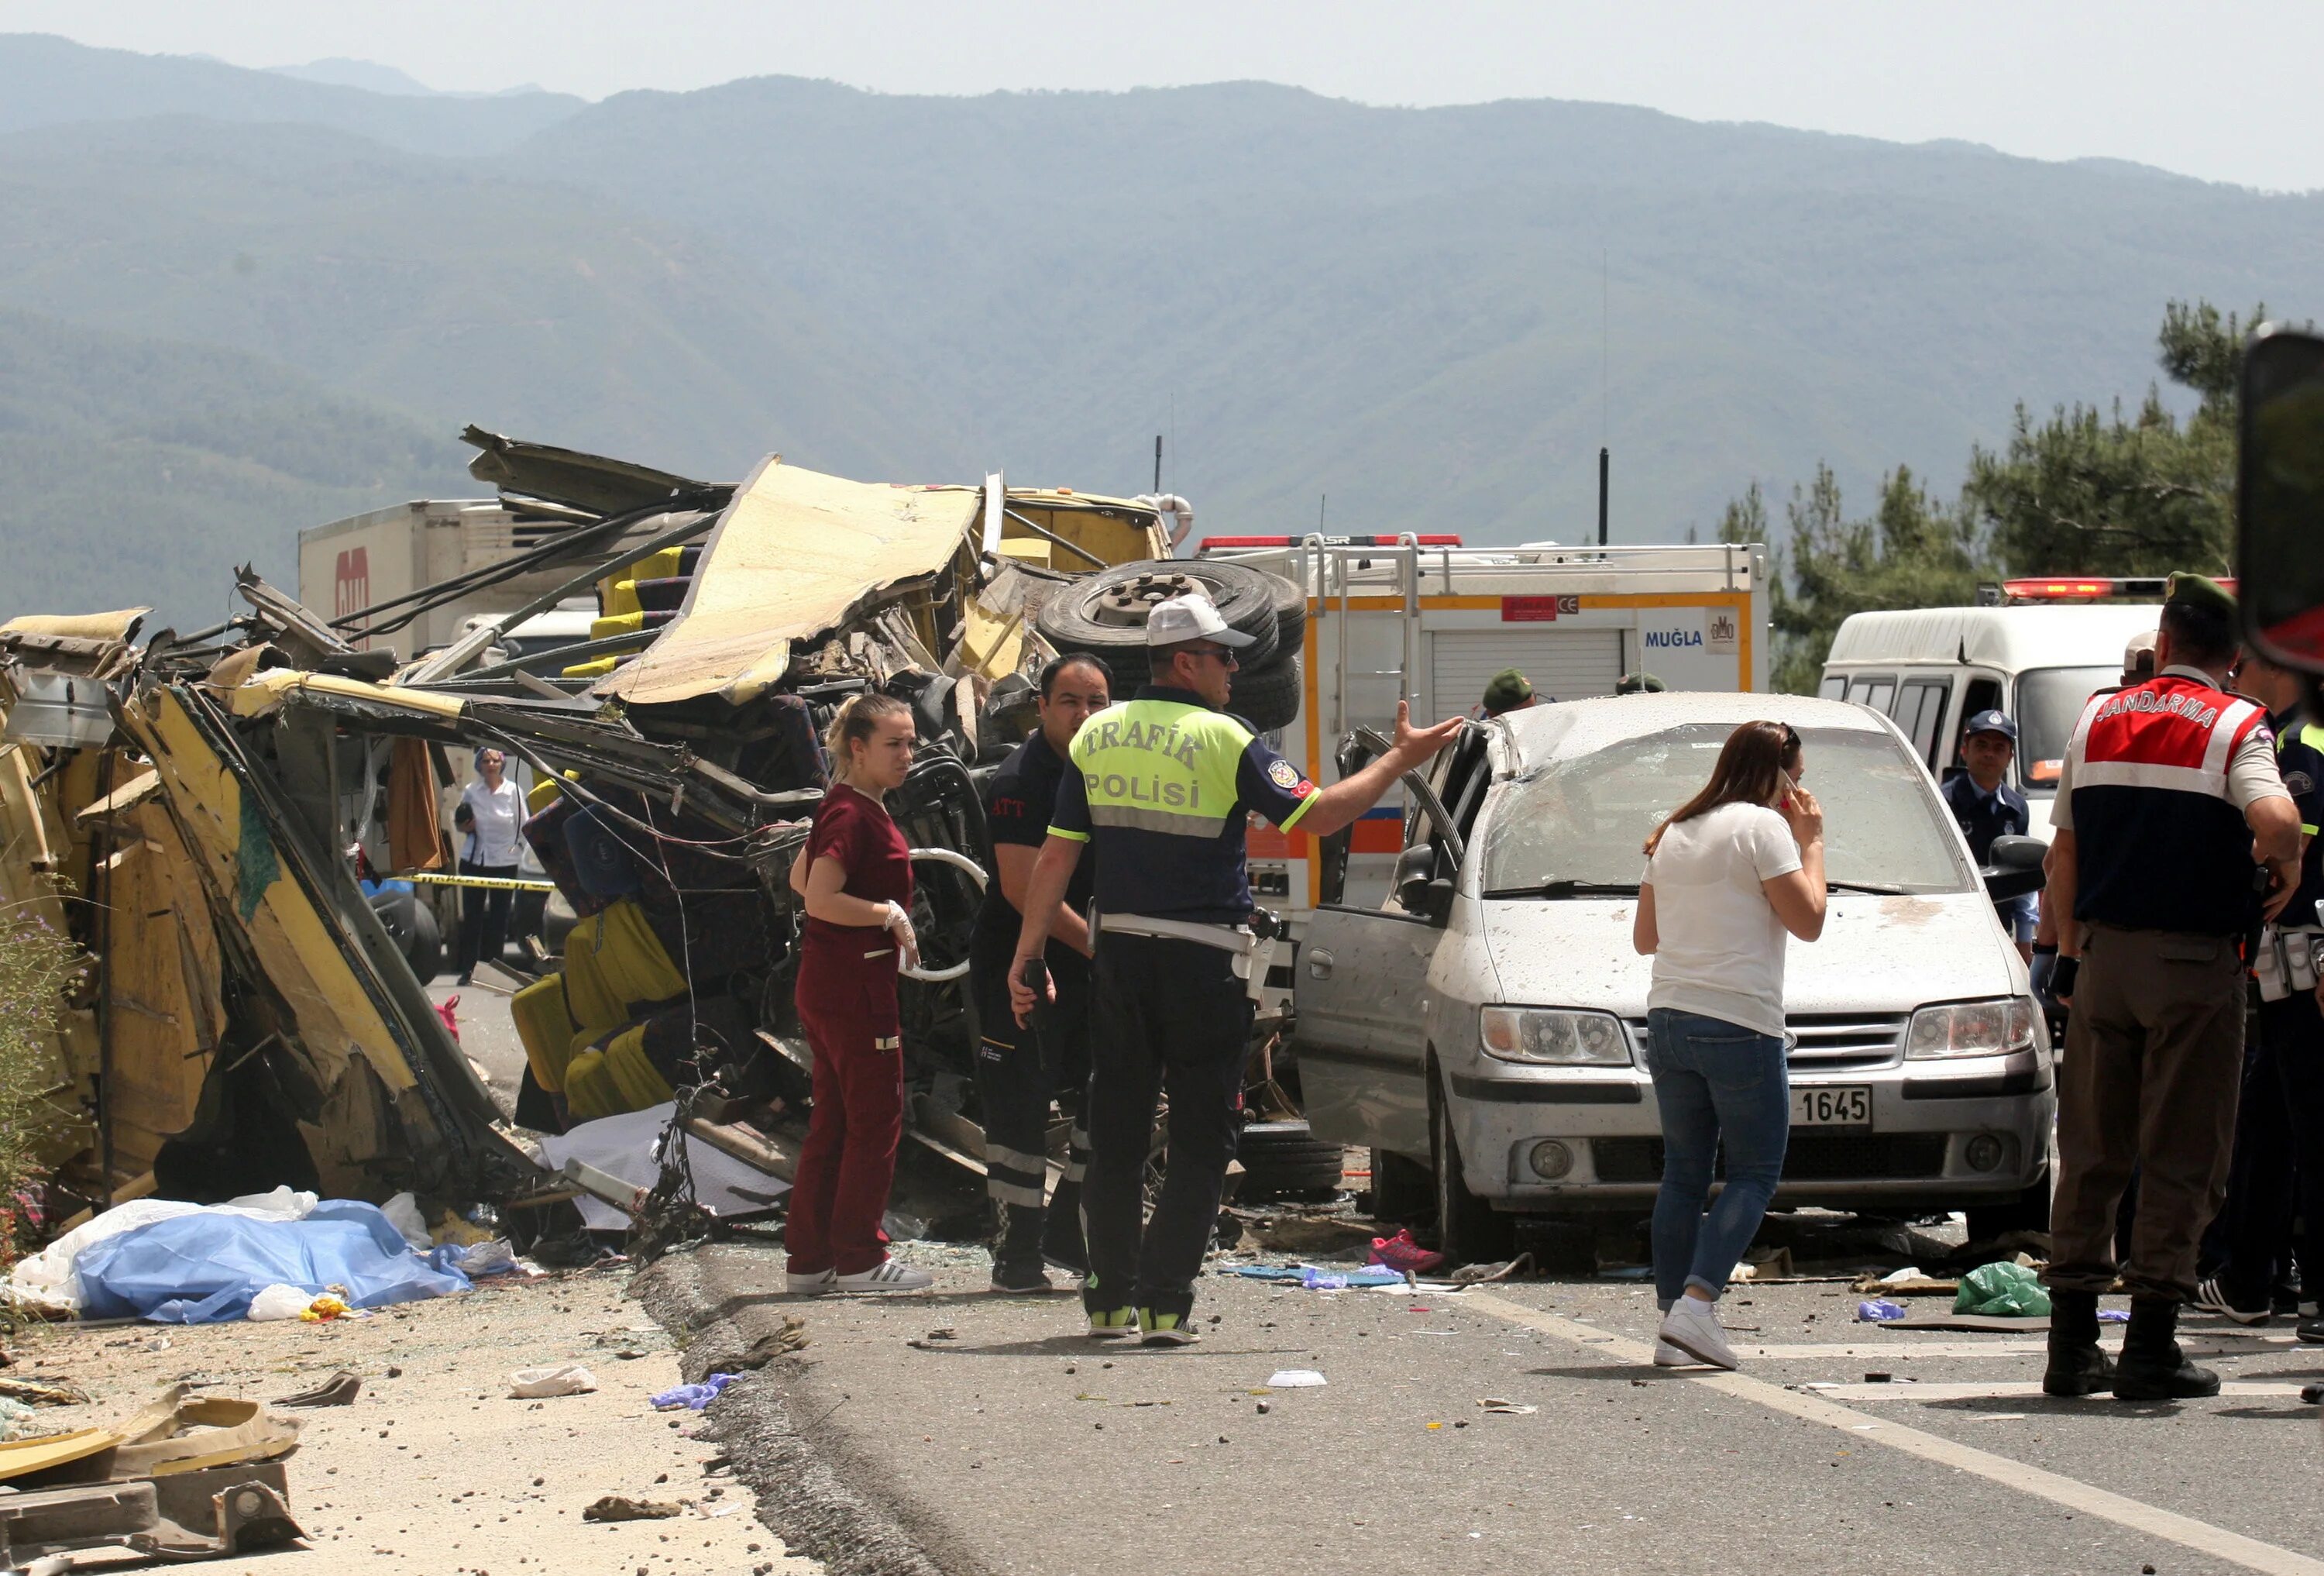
[(848, 1010)]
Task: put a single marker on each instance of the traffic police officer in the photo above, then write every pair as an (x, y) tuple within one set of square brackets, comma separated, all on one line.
[(1019, 1070), (1162, 785), (2168, 794), (1988, 808)]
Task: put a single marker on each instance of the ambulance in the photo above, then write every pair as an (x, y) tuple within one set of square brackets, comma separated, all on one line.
[(1426, 619)]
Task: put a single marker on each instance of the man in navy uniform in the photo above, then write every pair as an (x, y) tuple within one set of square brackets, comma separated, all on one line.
[(1021, 1069), (2169, 803), (1988, 808)]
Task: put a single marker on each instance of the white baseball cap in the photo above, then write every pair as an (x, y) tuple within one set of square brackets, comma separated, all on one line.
[(1191, 617)]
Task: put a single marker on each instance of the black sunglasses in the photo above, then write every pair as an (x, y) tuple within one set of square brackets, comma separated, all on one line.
[(1220, 652)]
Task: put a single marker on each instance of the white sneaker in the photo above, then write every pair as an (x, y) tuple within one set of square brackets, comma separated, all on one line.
[(887, 1275), (1692, 1326), (1669, 1356), (810, 1285)]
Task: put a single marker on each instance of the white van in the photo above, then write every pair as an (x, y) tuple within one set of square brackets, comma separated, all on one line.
[(1931, 670)]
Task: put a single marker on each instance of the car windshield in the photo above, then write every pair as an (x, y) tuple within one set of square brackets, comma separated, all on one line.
[(1585, 818), (2049, 702)]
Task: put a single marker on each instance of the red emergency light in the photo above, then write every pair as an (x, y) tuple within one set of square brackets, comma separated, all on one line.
[(1329, 541), (2091, 587)]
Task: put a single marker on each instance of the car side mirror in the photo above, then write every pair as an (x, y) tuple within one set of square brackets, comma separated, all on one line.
[(1413, 867), (2280, 497), (1430, 900), (2014, 868)]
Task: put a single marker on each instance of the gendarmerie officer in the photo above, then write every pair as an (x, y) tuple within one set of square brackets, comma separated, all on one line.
[(2168, 794), (1985, 806), (1018, 1069), (1163, 785)]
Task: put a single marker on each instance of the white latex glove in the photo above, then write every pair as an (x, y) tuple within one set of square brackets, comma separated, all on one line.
[(907, 940)]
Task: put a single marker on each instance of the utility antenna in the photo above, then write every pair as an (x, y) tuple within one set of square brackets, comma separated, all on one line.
[(1158, 464), (1605, 337), (1321, 500)]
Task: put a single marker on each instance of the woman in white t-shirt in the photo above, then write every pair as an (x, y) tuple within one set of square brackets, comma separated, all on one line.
[(490, 816), (1735, 871)]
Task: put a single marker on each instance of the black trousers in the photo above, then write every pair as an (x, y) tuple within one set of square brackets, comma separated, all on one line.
[(2292, 1033), (1169, 1016), (1018, 1072), (484, 914), (2249, 1245)]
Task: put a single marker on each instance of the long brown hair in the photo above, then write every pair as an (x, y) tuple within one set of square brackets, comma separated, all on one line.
[(1751, 771)]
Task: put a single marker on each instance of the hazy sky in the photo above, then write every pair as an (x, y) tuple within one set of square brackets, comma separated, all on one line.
[(2222, 88)]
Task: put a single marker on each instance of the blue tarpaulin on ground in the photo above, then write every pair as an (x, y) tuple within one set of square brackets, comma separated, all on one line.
[(205, 1269)]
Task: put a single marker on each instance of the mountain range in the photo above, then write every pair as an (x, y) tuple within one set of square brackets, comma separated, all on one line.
[(296, 290)]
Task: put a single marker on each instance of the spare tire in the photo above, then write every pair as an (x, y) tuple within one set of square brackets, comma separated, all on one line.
[(1282, 1158), (1290, 614), (1268, 697), (1106, 612)]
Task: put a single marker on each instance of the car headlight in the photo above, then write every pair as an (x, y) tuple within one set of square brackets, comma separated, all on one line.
[(1574, 1039), (1972, 1028)]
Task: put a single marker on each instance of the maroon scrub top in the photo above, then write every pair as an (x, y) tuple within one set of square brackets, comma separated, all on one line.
[(868, 844)]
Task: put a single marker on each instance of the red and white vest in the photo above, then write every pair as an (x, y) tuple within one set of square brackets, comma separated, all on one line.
[(2159, 845)]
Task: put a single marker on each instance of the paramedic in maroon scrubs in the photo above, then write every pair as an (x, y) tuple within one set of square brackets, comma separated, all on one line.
[(855, 878)]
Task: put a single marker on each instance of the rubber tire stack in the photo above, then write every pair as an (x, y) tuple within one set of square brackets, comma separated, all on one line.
[(1282, 1160), (1267, 607)]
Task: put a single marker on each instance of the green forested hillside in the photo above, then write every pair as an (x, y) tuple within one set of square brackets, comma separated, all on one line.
[(138, 471), (1433, 316)]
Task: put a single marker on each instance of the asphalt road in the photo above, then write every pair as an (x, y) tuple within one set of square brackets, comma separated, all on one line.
[(1005, 1441)]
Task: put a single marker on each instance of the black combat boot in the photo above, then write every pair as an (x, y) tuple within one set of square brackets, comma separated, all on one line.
[(2152, 1368), (2077, 1366)]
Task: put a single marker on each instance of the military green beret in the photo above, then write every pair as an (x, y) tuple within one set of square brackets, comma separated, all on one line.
[(1508, 688), (2200, 592), (1640, 684)]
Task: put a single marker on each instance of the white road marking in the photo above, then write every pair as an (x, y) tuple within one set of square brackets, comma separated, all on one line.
[(2007, 1392), (2000, 1346), (2082, 1499)]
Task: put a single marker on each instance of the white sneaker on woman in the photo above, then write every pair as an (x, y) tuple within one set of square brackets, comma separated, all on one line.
[(1692, 1326), (1669, 1356), (809, 1286), (887, 1275)]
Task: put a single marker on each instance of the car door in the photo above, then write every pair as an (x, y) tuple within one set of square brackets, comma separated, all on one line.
[(1362, 977)]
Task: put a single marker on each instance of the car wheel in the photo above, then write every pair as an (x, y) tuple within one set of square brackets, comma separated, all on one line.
[(1402, 1189), (1268, 698), (1469, 1231), (2028, 1211), (423, 949)]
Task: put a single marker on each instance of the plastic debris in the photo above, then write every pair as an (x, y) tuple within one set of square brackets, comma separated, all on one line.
[(1294, 1378), (2002, 1290), (693, 1397), (340, 1390), (402, 1212), (1879, 1311), (50, 1280), (1322, 1280), (324, 1308), (2113, 1315), (1506, 1408), (533, 1384)]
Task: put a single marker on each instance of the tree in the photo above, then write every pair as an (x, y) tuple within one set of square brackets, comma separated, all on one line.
[(2092, 494), (1914, 551)]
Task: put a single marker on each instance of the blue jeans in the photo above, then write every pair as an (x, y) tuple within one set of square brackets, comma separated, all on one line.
[(1717, 1082)]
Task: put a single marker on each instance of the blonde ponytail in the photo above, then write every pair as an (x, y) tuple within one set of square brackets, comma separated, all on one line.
[(855, 719)]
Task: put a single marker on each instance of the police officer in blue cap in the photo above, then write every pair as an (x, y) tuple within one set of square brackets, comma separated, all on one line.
[(1988, 808)]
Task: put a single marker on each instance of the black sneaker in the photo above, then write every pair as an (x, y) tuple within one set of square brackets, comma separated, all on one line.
[(2211, 1296), (1020, 1276)]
